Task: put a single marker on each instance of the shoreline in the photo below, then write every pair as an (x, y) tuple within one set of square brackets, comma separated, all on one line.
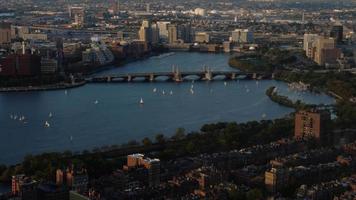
[(60, 86)]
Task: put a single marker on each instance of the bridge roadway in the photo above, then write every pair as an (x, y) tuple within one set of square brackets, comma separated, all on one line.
[(178, 76)]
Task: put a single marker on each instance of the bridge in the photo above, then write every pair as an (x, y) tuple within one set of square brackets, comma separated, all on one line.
[(178, 76)]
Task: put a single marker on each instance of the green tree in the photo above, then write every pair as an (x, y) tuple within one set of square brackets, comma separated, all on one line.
[(179, 135), (160, 139), (254, 194), (146, 141)]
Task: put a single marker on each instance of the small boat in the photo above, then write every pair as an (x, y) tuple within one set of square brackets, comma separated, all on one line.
[(247, 90), (71, 138), (192, 86), (50, 115), (225, 83), (65, 92), (264, 115), (141, 101), (11, 116), (163, 92), (96, 102), (15, 117), (191, 91), (154, 90), (171, 93), (47, 125)]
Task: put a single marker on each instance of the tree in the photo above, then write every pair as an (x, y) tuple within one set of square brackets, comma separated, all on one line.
[(179, 135), (146, 141), (160, 139), (254, 194)]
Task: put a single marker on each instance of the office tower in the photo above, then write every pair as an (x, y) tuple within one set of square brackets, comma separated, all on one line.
[(311, 124), (145, 32), (77, 15), (154, 34), (308, 42), (172, 33), (325, 51), (185, 33), (242, 36), (163, 30), (5, 33), (337, 32)]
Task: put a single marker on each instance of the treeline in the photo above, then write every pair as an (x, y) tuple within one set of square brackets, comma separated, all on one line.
[(340, 83), (264, 60), (211, 138)]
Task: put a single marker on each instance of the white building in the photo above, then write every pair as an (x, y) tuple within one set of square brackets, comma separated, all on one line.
[(242, 36)]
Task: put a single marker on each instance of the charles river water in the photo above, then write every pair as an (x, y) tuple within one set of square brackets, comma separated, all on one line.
[(97, 115)]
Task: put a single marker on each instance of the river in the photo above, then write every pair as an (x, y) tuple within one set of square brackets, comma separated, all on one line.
[(106, 114)]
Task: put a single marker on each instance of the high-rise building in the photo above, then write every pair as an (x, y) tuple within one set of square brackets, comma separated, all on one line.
[(145, 32), (163, 30), (172, 33), (77, 15), (312, 124), (337, 32), (5, 33), (184, 33), (308, 42), (242, 36), (154, 34), (325, 51)]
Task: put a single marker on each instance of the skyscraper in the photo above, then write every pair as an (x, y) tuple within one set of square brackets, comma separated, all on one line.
[(337, 32), (325, 51), (242, 36), (172, 33)]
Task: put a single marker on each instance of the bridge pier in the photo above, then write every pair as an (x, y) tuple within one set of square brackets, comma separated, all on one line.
[(151, 78), (254, 76), (208, 75), (129, 78)]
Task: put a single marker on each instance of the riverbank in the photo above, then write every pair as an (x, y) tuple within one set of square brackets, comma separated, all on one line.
[(272, 93), (58, 86)]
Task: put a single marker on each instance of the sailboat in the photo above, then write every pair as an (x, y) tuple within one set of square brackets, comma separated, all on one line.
[(141, 101), (47, 125), (192, 91)]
